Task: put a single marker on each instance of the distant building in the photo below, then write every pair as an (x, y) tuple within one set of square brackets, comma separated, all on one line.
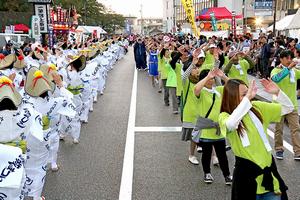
[(130, 25), (146, 25)]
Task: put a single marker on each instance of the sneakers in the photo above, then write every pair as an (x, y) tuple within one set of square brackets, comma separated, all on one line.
[(297, 157), (176, 112), (54, 168), (215, 161), (193, 160), (228, 148), (199, 149), (62, 137), (228, 180), (279, 155), (76, 141), (159, 91), (208, 178)]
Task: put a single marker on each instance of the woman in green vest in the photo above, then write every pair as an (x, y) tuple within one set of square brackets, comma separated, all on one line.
[(190, 77), (208, 109), (244, 122), (174, 71), (164, 60), (238, 66)]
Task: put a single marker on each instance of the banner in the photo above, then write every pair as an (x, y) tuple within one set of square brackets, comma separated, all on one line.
[(35, 26), (190, 13), (41, 11), (263, 7), (75, 37), (213, 21)]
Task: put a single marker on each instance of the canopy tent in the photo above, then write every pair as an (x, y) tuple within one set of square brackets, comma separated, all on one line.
[(91, 29), (295, 22), (21, 28), (220, 13), (283, 23)]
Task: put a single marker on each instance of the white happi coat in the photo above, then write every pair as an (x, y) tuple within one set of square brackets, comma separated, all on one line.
[(72, 126), (36, 164), (24, 123)]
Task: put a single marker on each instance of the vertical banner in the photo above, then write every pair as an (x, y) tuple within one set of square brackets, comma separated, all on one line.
[(213, 21), (41, 11), (190, 12), (35, 26), (50, 36), (233, 24)]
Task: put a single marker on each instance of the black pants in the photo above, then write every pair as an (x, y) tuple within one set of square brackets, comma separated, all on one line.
[(221, 155)]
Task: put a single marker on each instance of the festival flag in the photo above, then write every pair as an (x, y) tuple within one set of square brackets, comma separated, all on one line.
[(190, 12)]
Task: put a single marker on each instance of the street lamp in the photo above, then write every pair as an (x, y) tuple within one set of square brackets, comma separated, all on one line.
[(258, 21)]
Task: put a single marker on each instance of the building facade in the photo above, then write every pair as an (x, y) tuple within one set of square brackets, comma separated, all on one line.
[(175, 17), (146, 26)]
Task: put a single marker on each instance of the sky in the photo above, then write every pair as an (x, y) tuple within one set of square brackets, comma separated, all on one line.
[(151, 8)]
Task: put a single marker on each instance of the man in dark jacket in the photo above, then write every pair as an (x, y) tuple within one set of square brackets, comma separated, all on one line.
[(140, 54), (265, 57)]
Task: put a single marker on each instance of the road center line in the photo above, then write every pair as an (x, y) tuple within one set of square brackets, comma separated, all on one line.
[(178, 129), (127, 172), (157, 129)]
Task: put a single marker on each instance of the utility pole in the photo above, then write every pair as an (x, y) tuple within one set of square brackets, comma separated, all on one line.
[(142, 21), (274, 24), (174, 17)]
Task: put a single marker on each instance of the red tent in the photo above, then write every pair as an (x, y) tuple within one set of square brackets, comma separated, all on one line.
[(21, 27), (220, 13)]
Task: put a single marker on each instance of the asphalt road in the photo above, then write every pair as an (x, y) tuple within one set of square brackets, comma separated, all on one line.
[(92, 170)]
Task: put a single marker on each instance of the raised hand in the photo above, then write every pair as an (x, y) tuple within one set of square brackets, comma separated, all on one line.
[(252, 90), (270, 86), (219, 73), (12, 76), (57, 79)]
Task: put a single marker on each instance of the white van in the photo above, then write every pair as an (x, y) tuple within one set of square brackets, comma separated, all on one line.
[(17, 38)]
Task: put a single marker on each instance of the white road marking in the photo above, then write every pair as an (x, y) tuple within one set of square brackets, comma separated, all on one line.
[(127, 172), (178, 129), (157, 129), (285, 144)]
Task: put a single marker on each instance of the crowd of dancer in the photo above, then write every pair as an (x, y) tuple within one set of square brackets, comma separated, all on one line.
[(45, 95), (207, 79)]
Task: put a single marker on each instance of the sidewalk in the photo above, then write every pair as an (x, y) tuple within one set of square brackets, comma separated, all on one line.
[(261, 94)]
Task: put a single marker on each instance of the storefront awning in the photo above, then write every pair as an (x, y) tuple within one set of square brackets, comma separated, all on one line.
[(220, 13)]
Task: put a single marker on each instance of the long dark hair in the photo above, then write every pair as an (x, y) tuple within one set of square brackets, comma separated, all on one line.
[(163, 52), (231, 99), (7, 104)]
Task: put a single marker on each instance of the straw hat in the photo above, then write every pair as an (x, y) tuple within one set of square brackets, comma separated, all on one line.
[(6, 61), (49, 70), (37, 83), (19, 63), (7, 90), (78, 62)]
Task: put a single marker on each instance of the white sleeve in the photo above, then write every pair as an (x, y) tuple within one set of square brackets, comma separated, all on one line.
[(237, 115), (65, 93), (286, 103)]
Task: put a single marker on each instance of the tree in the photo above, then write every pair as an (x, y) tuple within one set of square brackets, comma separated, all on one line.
[(92, 12)]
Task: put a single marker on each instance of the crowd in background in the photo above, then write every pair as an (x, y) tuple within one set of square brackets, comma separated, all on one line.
[(207, 80)]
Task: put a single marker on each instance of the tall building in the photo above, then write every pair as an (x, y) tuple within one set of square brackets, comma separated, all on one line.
[(168, 16)]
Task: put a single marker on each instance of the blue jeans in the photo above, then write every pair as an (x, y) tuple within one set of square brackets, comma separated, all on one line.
[(268, 196)]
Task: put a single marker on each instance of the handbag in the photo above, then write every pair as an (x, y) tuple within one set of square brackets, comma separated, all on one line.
[(196, 133)]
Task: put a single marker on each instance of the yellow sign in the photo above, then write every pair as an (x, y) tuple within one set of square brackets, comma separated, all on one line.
[(190, 13)]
